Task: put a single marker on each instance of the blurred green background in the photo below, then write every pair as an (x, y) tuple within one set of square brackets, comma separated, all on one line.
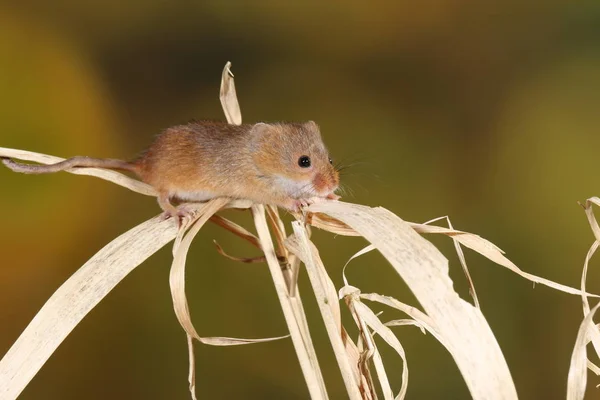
[(483, 111)]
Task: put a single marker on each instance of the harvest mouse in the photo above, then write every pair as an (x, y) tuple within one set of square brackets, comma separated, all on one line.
[(283, 164)]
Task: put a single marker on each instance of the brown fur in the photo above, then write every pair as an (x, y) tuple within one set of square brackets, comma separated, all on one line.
[(214, 159)]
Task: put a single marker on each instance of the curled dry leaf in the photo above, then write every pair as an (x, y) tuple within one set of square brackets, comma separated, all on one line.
[(293, 312), (588, 331), (365, 318), (470, 240), (177, 276), (463, 263), (177, 283), (325, 293), (589, 211), (463, 328), (228, 97), (577, 380), (76, 298)]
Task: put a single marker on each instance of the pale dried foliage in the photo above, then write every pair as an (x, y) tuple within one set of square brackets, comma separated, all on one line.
[(457, 324), (588, 331)]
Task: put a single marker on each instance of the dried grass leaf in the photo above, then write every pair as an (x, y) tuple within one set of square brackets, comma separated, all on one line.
[(421, 319), (593, 367), (228, 97), (577, 379), (463, 263), (589, 211), (245, 260), (293, 312), (177, 283), (329, 224), (300, 245), (236, 230), (492, 252), (365, 316), (406, 322), (177, 277), (465, 331), (76, 298), (472, 241)]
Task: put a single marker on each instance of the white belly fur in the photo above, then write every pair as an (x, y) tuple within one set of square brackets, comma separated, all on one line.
[(193, 196)]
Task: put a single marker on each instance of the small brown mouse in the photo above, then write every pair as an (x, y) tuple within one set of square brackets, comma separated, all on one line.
[(283, 164)]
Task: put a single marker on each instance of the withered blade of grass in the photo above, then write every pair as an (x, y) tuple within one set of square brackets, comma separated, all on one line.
[(246, 260), (368, 317), (327, 223), (291, 264), (577, 379), (326, 297), (244, 234), (236, 229), (464, 330), (177, 284), (493, 253), (228, 97), (278, 228), (367, 350), (463, 263), (293, 312), (588, 331), (177, 275), (75, 298), (589, 211)]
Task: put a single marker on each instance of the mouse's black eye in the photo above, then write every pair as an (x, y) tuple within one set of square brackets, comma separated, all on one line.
[(330, 161), (304, 161)]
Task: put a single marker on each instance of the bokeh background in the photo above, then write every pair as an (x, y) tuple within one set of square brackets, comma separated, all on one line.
[(483, 111)]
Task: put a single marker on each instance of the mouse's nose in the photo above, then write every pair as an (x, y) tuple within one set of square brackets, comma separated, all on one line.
[(326, 183)]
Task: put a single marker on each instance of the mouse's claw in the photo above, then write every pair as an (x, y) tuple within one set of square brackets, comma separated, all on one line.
[(294, 205), (182, 214)]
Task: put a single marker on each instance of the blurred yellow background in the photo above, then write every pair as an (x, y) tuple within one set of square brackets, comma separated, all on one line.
[(483, 111)]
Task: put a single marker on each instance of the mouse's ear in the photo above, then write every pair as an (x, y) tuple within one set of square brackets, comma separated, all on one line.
[(312, 125), (260, 128)]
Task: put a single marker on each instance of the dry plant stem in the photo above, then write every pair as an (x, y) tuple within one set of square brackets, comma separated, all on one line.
[(463, 263), (76, 298), (244, 234), (291, 267), (588, 331), (589, 211), (177, 276), (368, 354), (303, 248), (577, 379), (292, 311), (228, 97), (177, 283), (236, 230), (245, 260), (425, 270), (474, 242)]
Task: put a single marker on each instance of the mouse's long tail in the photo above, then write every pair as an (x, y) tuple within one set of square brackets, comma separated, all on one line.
[(73, 162)]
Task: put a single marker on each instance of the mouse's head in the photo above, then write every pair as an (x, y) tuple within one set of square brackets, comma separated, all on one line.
[(293, 157)]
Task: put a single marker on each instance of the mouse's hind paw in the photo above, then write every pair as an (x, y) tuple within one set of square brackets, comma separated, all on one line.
[(182, 214)]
